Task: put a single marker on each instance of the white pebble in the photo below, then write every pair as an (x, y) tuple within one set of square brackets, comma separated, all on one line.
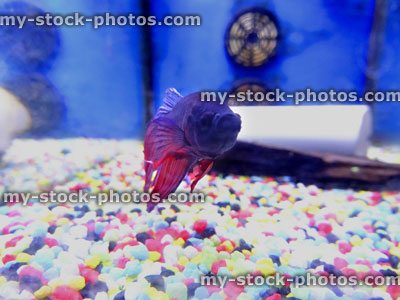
[(79, 231), (171, 254), (167, 239), (132, 291), (190, 252), (101, 296)]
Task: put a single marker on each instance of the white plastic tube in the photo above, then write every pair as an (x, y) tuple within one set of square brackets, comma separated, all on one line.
[(14, 118), (342, 129)]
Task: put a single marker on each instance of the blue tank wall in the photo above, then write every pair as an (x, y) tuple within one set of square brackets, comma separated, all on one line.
[(387, 114), (324, 45), (98, 72)]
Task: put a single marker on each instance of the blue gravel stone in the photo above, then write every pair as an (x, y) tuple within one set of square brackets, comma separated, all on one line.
[(133, 268), (140, 252)]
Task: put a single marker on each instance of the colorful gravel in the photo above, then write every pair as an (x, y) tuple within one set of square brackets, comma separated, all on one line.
[(253, 225)]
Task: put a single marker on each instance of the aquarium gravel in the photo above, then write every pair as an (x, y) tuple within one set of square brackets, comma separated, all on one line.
[(258, 225)]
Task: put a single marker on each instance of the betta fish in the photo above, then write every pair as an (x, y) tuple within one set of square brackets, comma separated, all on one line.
[(185, 134)]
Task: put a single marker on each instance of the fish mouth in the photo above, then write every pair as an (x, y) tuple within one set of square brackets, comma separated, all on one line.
[(231, 123)]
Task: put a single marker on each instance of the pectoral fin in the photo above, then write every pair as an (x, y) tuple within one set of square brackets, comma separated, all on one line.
[(200, 170)]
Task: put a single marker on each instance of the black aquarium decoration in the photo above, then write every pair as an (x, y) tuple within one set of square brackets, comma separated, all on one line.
[(251, 38), (327, 170), (30, 47)]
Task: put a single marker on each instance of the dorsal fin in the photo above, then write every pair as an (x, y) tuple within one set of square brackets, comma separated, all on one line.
[(171, 98)]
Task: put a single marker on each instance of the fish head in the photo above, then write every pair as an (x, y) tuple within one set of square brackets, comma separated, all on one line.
[(212, 128)]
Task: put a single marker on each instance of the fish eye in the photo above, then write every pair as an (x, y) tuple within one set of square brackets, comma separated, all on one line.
[(206, 120)]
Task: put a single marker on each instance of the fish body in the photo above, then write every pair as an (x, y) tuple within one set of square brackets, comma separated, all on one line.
[(185, 134)]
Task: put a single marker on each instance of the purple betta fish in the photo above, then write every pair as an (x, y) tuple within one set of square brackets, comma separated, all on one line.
[(186, 133)]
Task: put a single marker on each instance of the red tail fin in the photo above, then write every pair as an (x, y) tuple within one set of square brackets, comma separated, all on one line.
[(169, 176)]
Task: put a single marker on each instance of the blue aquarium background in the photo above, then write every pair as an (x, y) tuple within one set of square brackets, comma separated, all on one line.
[(111, 79), (89, 210)]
